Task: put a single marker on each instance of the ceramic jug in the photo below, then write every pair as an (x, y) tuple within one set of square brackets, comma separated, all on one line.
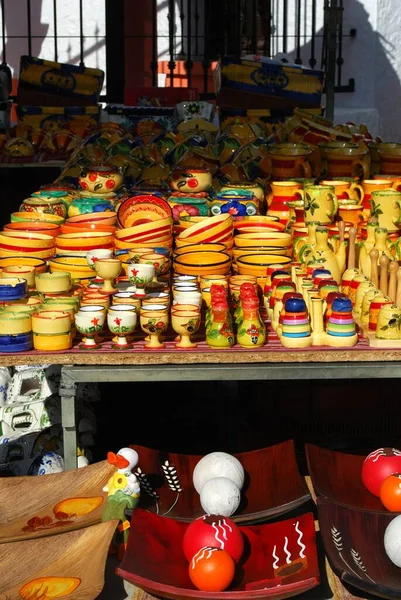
[(323, 256), (282, 194), (348, 162), (385, 205), (321, 204), (286, 161)]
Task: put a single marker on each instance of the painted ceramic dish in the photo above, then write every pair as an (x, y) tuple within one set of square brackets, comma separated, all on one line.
[(22, 342), (142, 209), (35, 226), (353, 542), (265, 494), (280, 560), (12, 289), (337, 476), (202, 263)]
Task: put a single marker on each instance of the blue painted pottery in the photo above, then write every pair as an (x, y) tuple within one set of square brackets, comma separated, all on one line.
[(21, 342), (13, 288)]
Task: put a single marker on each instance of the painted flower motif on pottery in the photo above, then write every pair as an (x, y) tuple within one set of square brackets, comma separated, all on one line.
[(185, 210), (310, 204), (375, 209)]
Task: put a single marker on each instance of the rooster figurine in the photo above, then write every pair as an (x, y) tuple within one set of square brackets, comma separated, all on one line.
[(123, 491)]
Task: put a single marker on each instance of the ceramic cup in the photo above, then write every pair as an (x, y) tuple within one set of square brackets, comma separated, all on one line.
[(93, 255), (385, 205), (320, 204), (121, 321), (141, 275)]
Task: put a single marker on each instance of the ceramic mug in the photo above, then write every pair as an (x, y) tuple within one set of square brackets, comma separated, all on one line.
[(320, 204), (385, 205), (346, 191)]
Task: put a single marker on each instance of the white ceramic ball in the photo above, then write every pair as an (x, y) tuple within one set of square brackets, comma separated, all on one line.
[(218, 464), (392, 541), (220, 496)]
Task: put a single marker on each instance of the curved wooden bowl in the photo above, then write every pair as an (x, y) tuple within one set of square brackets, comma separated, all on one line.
[(77, 559), (273, 485), (35, 507), (353, 542), (337, 476), (155, 561)]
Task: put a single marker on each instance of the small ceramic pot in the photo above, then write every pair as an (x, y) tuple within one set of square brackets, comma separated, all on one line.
[(53, 206), (13, 288), (101, 178), (84, 204), (15, 323), (53, 283), (190, 179)]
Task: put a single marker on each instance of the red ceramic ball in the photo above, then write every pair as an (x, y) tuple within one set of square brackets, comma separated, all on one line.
[(214, 531), (211, 569), (378, 465), (390, 492)]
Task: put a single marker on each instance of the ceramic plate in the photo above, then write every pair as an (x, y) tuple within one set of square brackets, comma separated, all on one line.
[(353, 541), (142, 209), (279, 560), (273, 485)]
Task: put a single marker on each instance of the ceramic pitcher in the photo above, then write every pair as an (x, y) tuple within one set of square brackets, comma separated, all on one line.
[(321, 204), (287, 160), (280, 198), (347, 191), (386, 207), (372, 185)]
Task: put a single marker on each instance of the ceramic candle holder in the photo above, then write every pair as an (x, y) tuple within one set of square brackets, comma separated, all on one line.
[(22, 272), (122, 321), (108, 269), (141, 275)]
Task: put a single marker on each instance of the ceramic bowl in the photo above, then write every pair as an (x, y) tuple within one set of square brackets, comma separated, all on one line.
[(39, 264), (257, 264), (212, 247), (77, 266), (55, 301), (22, 342), (20, 271), (53, 342), (84, 241), (257, 223), (202, 263), (14, 323), (72, 228), (96, 218), (20, 308), (259, 574), (271, 238), (146, 232), (142, 208), (51, 322), (13, 288), (23, 216), (53, 283), (25, 241), (34, 226), (214, 229)]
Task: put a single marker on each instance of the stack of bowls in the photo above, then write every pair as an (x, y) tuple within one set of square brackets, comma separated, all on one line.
[(15, 331), (155, 233), (39, 245), (219, 228), (202, 263), (97, 221)]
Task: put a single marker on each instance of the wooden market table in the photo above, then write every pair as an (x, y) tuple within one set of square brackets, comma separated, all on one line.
[(270, 362)]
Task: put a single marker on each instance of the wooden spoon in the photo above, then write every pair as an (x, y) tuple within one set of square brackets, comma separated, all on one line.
[(374, 272), (384, 260), (398, 296), (351, 247), (392, 280)]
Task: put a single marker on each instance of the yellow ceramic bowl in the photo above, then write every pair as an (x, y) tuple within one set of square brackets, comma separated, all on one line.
[(25, 241), (20, 308), (18, 217), (163, 242), (238, 252), (22, 271), (271, 238), (38, 263), (212, 247), (51, 322), (29, 300), (68, 308), (203, 263), (145, 231), (84, 241), (45, 254), (52, 343), (257, 264), (77, 266), (257, 223), (14, 323), (213, 229), (53, 283)]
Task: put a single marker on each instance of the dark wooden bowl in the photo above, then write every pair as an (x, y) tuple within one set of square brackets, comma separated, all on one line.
[(154, 559), (338, 476), (273, 485), (353, 542)]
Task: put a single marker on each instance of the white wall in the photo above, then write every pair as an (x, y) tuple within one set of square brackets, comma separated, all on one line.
[(68, 30)]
